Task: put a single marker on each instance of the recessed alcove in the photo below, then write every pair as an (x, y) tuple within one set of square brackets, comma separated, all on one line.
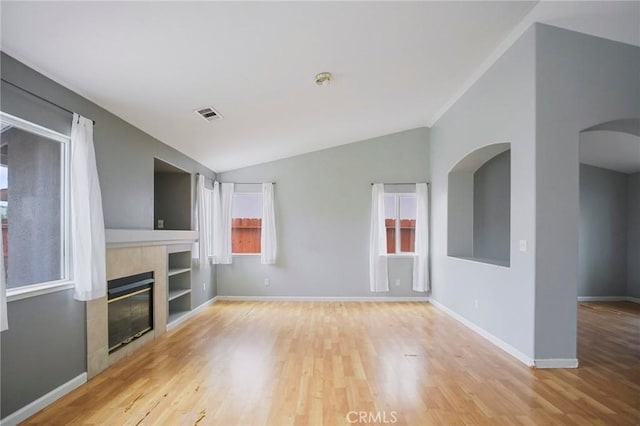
[(479, 206), (171, 197)]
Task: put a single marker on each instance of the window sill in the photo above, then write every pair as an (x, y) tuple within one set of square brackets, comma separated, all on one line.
[(245, 254), (34, 290), (401, 255)]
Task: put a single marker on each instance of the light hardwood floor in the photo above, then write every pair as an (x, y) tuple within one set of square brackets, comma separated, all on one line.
[(294, 363)]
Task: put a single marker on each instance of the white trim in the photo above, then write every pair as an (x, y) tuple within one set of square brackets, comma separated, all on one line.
[(608, 299), (191, 313), (32, 408), (556, 363), (602, 298), (321, 299), (484, 333), (34, 128), (25, 292)]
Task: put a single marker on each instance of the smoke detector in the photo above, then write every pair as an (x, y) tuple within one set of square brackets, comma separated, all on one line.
[(208, 113), (323, 78)]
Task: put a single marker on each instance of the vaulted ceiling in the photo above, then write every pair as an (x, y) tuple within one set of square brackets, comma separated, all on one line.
[(396, 65)]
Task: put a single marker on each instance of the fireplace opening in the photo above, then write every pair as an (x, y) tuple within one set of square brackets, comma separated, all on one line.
[(130, 308)]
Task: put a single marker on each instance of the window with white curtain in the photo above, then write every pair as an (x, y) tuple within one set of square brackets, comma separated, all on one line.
[(400, 222), (34, 203)]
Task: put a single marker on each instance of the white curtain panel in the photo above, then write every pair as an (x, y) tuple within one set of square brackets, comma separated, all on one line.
[(216, 223), (421, 259), (200, 249), (268, 237), (4, 322), (378, 269), (223, 233), (87, 221), (208, 212)]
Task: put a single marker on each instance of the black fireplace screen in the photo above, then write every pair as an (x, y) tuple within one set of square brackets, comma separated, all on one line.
[(130, 308)]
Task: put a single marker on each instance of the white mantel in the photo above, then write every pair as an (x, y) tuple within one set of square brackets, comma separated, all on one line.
[(147, 237)]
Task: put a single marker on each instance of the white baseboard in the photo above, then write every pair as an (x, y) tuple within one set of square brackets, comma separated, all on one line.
[(484, 333), (321, 299), (556, 363), (602, 298), (608, 299), (191, 313), (30, 409)]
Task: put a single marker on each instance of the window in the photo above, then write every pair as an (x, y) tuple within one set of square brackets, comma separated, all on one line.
[(246, 223), (400, 222), (33, 203)]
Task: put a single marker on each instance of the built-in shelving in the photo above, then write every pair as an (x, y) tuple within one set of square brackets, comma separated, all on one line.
[(177, 271), (174, 294), (178, 281)]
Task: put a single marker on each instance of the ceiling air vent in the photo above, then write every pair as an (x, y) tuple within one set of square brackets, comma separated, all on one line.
[(208, 113)]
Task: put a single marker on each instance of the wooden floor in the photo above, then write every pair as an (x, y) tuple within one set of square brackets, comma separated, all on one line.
[(277, 363)]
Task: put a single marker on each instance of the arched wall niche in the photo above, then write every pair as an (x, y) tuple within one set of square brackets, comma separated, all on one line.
[(479, 206)]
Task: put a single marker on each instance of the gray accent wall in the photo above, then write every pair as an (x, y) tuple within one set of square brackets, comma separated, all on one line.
[(581, 81), (492, 209), (53, 338), (602, 249), (323, 204), (633, 236), (43, 348), (498, 108)]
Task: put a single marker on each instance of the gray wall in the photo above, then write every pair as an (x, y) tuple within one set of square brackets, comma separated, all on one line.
[(492, 209), (498, 108), (43, 348), (633, 235), (125, 160), (581, 81), (323, 209), (602, 250)]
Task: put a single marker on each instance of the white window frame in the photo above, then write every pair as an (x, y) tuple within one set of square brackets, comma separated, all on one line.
[(66, 282), (235, 193), (397, 196)]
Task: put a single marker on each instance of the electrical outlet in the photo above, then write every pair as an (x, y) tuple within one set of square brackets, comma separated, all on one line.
[(523, 245), (160, 223), (476, 303), (397, 283), (204, 286), (267, 282)]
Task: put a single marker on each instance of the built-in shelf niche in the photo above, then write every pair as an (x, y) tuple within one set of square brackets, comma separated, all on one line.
[(178, 281), (172, 197), (479, 206)]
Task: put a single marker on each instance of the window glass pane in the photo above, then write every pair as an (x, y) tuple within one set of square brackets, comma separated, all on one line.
[(246, 226), (390, 221), (407, 223), (31, 200)]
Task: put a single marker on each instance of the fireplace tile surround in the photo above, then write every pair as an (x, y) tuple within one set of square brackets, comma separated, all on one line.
[(130, 253)]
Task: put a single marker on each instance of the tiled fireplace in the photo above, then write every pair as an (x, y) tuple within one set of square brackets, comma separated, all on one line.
[(122, 262)]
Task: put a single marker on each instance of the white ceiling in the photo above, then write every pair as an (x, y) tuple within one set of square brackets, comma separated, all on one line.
[(610, 150), (396, 66)]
